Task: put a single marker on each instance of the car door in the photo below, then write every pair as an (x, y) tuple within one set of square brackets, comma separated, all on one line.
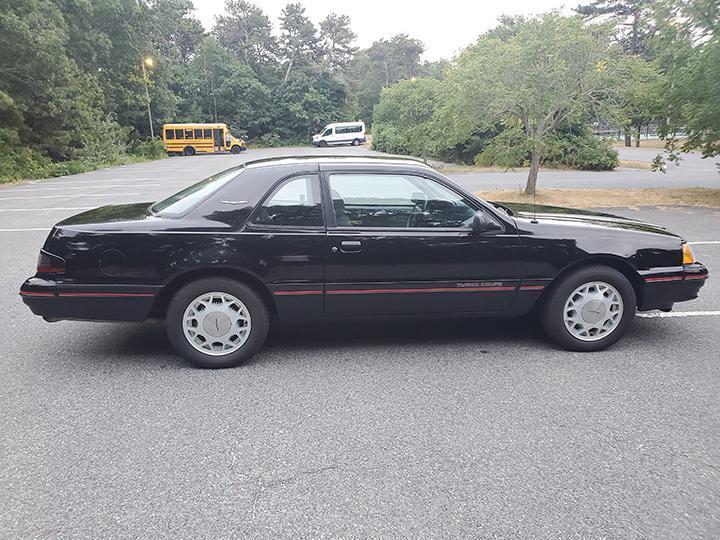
[(403, 244)]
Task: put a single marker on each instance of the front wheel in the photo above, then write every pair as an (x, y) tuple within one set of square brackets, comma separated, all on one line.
[(217, 322), (236, 149), (590, 309), (322, 144)]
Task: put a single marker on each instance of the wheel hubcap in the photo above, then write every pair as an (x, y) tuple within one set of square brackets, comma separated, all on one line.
[(216, 323), (593, 311)]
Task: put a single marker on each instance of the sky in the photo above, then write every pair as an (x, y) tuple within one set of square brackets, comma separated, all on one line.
[(445, 26)]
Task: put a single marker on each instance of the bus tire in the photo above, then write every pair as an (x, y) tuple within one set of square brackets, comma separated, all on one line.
[(236, 149), (188, 151)]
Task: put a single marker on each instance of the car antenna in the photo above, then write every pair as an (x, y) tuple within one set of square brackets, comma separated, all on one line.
[(534, 219)]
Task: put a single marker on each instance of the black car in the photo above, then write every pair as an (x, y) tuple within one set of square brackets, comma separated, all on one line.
[(303, 239)]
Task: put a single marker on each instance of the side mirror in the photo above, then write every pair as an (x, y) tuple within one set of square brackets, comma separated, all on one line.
[(483, 223)]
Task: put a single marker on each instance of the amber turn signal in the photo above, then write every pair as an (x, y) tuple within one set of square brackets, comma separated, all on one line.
[(688, 257)]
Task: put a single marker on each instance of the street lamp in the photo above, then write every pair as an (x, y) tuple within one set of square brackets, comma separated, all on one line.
[(150, 63)]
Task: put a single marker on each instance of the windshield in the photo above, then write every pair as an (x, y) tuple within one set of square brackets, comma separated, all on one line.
[(176, 205)]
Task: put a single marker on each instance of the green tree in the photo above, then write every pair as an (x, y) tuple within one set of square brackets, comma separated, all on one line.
[(550, 69), (690, 45), (634, 20), (247, 32), (384, 63), (298, 39), (336, 42)]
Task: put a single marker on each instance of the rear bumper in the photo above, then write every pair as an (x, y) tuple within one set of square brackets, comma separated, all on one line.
[(663, 289), (55, 302)]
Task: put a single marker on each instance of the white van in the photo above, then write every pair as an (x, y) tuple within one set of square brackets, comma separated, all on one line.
[(341, 133)]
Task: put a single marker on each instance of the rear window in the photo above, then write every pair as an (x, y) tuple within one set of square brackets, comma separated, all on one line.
[(178, 204)]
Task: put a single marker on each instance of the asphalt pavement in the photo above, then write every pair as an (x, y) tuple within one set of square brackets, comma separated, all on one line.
[(468, 428)]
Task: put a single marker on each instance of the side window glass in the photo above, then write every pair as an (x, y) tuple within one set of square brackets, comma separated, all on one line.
[(188, 133), (207, 134), (407, 201), (178, 133), (198, 134), (294, 203), (169, 134)]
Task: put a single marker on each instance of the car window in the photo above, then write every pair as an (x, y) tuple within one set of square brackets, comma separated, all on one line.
[(385, 200), (176, 205), (294, 203)]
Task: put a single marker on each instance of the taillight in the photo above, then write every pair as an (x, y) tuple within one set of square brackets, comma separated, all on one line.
[(50, 264)]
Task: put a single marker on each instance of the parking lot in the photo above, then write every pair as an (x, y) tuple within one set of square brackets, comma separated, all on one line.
[(425, 428)]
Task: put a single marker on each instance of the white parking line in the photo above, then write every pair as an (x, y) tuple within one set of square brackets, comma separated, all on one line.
[(44, 209), (26, 230), (103, 186), (66, 196), (663, 315), (703, 243)]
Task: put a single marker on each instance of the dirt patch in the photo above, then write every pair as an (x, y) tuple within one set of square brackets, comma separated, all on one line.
[(600, 198), (645, 143), (635, 164)]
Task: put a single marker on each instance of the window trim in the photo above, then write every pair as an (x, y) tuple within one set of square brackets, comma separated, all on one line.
[(250, 223), (333, 226)]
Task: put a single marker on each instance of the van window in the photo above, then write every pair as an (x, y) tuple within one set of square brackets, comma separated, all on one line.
[(327, 132)]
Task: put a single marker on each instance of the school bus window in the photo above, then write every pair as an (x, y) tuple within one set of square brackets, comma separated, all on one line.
[(188, 134), (207, 133), (179, 134), (198, 134), (169, 134)]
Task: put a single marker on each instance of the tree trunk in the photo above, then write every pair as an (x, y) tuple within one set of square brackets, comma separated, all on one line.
[(637, 135), (533, 174), (628, 137)]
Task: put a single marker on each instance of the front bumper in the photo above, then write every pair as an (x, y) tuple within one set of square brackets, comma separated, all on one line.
[(662, 290), (103, 302)]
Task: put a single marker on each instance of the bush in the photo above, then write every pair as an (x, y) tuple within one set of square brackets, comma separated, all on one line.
[(150, 149)]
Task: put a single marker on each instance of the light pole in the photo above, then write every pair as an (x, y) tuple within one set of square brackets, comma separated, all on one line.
[(149, 62)]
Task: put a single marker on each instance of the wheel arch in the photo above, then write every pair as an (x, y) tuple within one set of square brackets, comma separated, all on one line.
[(176, 283), (615, 262)]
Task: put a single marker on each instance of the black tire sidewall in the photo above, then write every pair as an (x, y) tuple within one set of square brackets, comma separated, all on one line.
[(255, 305), (552, 313), (356, 142), (188, 151), (323, 144), (235, 149)]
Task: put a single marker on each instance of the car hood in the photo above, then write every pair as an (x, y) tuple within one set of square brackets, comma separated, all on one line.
[(582, 217)]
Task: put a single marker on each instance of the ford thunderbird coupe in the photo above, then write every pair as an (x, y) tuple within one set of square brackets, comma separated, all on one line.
[(303, 239)]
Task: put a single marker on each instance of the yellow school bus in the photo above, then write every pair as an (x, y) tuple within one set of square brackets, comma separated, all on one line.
[(191, 139)]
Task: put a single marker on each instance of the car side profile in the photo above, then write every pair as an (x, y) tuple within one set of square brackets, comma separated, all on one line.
[(302, 239)]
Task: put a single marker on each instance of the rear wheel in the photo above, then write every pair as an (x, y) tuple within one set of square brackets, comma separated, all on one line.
[(188, 151), (217, 322), (356, 142), (590, 309)]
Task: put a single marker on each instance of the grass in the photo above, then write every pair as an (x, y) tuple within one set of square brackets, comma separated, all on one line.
[(602, 198), (635, 164)]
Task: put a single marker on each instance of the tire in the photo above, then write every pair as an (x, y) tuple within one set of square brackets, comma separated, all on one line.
[(356, 142), (188, 151), (235, 149), (231, 297), (322, 144), (595, 329)]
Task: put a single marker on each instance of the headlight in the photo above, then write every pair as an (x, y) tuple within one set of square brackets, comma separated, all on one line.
[(688, 257)]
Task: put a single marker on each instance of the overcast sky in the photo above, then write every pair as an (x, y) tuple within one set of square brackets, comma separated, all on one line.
[(445, 26)]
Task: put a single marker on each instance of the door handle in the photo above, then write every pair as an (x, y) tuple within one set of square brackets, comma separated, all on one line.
[(350, 246)]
